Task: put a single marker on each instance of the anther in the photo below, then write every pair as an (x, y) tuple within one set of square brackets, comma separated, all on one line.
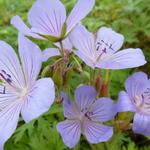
[(9, 76), (4, 91), (3, 71)]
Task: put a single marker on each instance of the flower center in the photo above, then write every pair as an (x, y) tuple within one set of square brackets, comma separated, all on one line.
[(86, 113), (103, 47), (142, 102), (24, 93), (7, 84)]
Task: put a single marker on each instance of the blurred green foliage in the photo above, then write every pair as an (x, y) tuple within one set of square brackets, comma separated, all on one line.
[(129, 17)]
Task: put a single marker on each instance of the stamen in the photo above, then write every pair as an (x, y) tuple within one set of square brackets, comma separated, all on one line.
[(5, 77), (111, 47), (84, 109), (88, 114), (106, 45), (9, 76), (144, 104), (3, 71), (146, 94), (2, 77), (104, 50), (4, 91)]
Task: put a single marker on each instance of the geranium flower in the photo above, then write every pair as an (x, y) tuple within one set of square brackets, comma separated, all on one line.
[(86, 116), (19, 90), (102, 51), (48, 19), (137, 99)]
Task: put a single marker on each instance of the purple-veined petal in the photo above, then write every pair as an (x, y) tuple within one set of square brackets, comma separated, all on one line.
[(78, 13), (70, 131), (83, 41), (84, 96), (39, 99), (47, 17), (17, 22), (109, 39), (8, 121), (70, 109), (96, 132), (136, 84), (7, 96), (50, 52), (10, 66), (141, 124), (84, 58), (128, 58), (31, 58), (67, 45), (124, 103), (102, 110)]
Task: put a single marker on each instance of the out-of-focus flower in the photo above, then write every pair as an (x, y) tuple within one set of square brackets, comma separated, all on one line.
[(137, 99), (19, 90), (102, 51), (48, 19), (86, 116)]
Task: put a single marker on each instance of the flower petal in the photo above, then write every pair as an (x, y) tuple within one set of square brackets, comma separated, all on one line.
[(47, 17), (103, 110), (83, 41), (136, 84), (70, 131), (109, 39), (8, 121), (67, 45), (141, 124), (17, 22), (10, 66), (96, 132), (39, 99), (128, 58), (125, 103), (85, 96), (78, 13), (31, 58), (70, 110), (50, 52), (84, 58), (7, 96)]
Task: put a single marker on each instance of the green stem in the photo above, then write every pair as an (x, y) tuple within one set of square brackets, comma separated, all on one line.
[(63, 65), (47, 68), (45, 71), (110, 76), (80, 68), (92, 76), (106, 77), (62, 49)]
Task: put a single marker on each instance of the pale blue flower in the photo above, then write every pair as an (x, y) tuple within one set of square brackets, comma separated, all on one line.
[(101, 51), (48, 18), (137, 99), (86, 116), (20, 91)]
